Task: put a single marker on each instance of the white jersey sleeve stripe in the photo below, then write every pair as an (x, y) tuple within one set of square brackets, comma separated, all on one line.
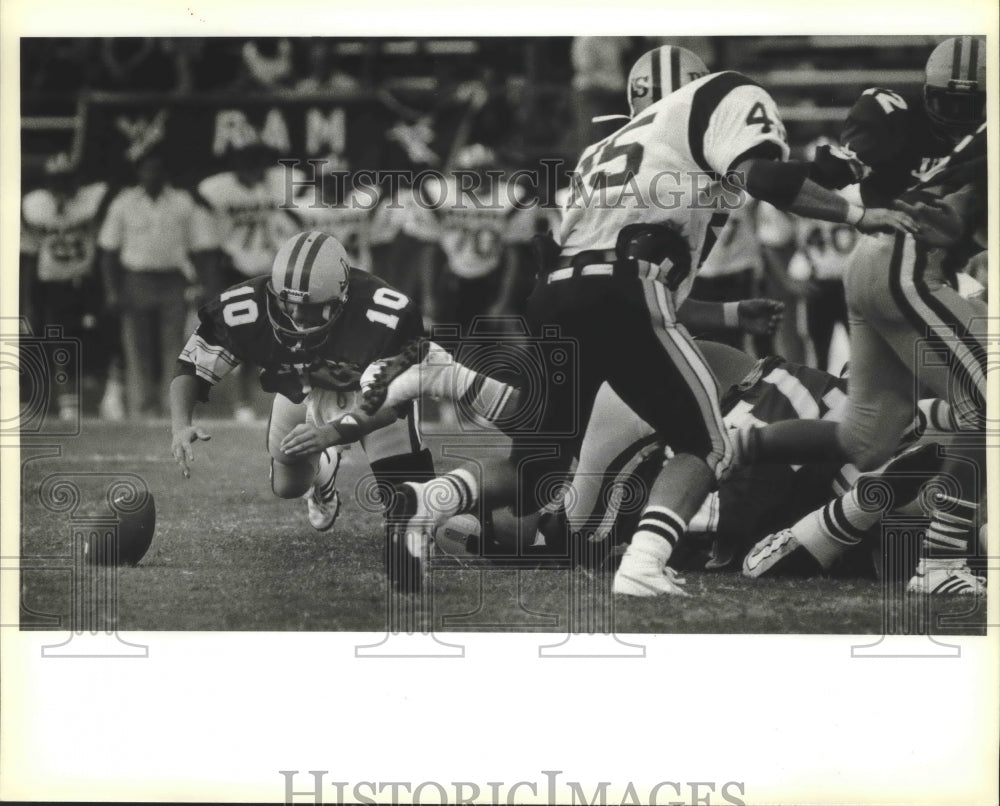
[(211, 362)]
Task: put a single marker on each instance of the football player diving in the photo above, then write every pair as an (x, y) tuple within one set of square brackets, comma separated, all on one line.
[(312, 325), (647, 205)]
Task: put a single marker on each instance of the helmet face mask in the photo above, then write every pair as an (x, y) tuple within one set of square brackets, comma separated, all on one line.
[(308, 290), (955, 86), (302, 325), (955, 111)]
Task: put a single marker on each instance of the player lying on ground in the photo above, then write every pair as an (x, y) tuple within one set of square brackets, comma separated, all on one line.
[(312, 326), (621, 455)]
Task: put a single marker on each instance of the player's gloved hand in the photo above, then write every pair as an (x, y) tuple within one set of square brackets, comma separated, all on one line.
[(379, 374), (760, 317), (180, 446), (307, 438), (880, 219)]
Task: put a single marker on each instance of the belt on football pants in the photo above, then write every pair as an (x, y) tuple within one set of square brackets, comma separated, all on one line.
[(602, 263)]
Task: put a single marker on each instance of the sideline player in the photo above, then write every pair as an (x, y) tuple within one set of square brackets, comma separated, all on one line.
[(313, 324), (60, 284), (647, 205), (469, 221)]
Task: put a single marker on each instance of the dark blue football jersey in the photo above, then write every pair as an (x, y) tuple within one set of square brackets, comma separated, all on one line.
[(892, 135), (376, 322)]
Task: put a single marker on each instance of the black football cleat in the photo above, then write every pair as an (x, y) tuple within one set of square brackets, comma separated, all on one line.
[(407, 541)]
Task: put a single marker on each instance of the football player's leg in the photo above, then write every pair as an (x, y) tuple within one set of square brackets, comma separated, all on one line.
[(729, 365), (880, 398), (400, 464), (819, 538), (679, 396), (424, 368), (291, 476), (936, 320), (881, 403), (616, 442)]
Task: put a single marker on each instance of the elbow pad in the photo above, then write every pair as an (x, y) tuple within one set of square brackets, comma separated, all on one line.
[(776, 183)]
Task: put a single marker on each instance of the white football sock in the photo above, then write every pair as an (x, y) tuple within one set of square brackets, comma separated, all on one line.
[(829, 531), (654, 539)]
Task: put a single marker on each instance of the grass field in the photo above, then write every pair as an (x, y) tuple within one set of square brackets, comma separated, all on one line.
[(228, 555)]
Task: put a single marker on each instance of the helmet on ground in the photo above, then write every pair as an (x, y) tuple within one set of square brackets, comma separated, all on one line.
[(660, 72), (308, 289), (955, 86)]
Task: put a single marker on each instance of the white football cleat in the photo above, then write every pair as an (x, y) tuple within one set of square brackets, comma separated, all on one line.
[(778, 555), (946, 578), (323, 501), (648, 581)]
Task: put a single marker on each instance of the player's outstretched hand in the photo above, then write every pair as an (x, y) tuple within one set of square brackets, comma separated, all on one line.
[(180, 446), (307, 438), (760, 317), (880, 219), (940, 223)]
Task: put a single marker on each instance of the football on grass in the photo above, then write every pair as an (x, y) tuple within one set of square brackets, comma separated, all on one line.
[(136, 524)]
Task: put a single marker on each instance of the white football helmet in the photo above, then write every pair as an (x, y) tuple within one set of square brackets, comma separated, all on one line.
[(955, 88), (308, 289), (659, 72)]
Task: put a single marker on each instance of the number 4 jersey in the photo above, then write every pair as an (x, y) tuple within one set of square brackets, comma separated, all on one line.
[(234, 327), (664, 166)]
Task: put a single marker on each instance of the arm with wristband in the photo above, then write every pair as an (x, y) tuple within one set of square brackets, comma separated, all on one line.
[(787, 186)]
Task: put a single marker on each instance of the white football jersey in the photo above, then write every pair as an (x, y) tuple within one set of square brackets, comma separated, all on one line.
[(63, 235), (472, 234), (251, 224), (737, 248), (664, 166)]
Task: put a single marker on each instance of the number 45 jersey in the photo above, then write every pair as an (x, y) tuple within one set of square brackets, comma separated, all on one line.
[(665, 166), (234, 327)]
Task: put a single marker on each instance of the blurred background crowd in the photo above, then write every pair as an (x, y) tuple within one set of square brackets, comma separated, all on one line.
[(151, 179)]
